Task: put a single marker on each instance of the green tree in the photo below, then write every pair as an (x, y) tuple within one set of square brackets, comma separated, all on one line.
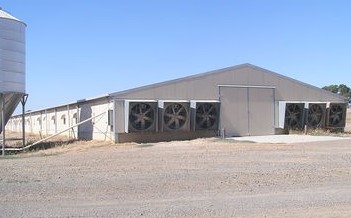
[(344, 90), (331, 88), (341, 89)]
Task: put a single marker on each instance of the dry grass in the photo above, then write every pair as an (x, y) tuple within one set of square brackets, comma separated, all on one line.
[(322, 132), (329, 132)]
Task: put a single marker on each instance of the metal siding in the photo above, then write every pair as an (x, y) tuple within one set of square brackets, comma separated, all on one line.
[(293, 90), (205, 86), (119, 116), (199, 88), (240, 79), (255, 78), (12, 57), (261, 109), (234, 111)]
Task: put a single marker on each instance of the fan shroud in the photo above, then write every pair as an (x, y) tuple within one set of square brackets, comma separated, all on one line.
[(142, 116), (175, 116), (206, 115), (294, 115), (316, 115), (336, 117)]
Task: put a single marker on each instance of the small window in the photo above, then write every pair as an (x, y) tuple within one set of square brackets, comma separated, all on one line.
[(63, 118), (53, 119)]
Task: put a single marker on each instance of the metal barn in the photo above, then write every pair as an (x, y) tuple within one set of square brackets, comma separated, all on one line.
[(235, 101)]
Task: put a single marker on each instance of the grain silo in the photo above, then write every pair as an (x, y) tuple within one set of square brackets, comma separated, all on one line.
[(12, 64)]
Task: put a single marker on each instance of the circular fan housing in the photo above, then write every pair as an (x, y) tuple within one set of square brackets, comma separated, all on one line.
[(141, 116), (206, 116), (336, 115), (315, 116), (294, 115), (175, 116)]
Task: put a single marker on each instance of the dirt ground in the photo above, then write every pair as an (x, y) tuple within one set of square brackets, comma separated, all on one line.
[(198, 178)]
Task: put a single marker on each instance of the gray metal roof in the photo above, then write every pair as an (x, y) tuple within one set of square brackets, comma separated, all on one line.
[(196, 76), (178, 80)]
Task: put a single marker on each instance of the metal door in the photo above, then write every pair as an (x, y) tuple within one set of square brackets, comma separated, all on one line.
[(247, 110)]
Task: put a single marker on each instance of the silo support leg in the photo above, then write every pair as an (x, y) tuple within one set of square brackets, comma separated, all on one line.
[(3, 123), (23, 102)]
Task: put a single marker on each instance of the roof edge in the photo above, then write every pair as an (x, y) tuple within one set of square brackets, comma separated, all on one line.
[(235, 67), (300, 82), (77, 102), (158, 84)]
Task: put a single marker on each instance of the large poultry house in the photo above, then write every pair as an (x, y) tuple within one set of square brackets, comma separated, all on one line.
[(235, 101)]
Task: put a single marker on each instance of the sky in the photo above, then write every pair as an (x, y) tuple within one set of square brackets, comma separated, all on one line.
[(77, 49)]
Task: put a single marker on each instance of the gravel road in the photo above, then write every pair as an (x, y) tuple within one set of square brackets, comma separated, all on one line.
[(198, 178)]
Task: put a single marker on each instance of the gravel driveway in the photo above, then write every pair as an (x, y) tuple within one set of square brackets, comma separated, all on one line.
[(198, 178)]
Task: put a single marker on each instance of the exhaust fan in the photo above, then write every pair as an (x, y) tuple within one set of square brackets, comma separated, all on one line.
[(142, 116), (294, 115), (316, 115), (336, 116), (175, 116), (205, 115)]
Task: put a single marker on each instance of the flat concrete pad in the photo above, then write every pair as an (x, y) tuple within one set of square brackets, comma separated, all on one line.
[(287, 139)]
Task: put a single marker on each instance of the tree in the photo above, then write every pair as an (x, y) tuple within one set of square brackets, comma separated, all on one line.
[(331, 88), (341, 89), (344, 90)]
